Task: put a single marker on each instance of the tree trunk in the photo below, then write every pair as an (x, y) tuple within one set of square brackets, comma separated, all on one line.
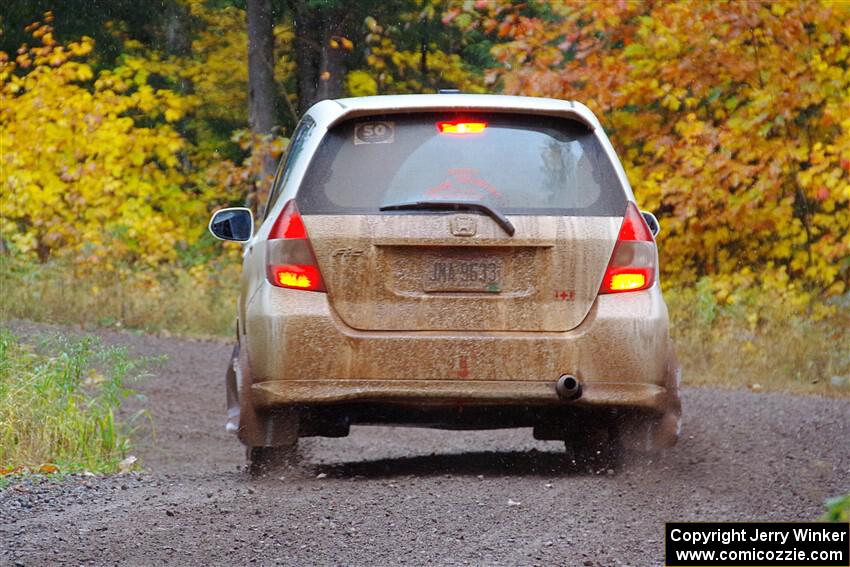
[(306, 54), (423, 62), (331, 64), (321, 68), (261, 87), (261, 91), (176, 28)]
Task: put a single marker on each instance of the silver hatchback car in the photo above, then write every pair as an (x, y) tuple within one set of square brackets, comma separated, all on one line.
[(453, 261)]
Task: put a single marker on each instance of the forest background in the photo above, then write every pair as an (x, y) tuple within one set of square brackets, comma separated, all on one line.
[(124, 124)]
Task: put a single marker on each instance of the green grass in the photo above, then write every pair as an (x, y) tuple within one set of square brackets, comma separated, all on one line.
[(837, 509), (60, 403)]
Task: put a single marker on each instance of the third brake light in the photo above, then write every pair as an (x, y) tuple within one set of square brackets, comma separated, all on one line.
[(461, 127)]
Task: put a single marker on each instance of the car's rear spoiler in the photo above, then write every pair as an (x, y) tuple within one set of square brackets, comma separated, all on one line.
[(401, 104)]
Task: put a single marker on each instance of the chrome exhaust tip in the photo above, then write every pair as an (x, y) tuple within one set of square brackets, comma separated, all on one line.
[(568, 387)]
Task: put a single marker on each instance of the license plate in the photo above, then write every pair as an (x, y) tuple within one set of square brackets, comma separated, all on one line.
[(483, 276)]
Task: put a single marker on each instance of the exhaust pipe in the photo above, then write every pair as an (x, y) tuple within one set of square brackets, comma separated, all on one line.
[(568, 387)]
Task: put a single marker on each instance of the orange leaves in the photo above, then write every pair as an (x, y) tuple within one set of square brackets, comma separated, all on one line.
[(731, 120), (47, 468), (339, 42)]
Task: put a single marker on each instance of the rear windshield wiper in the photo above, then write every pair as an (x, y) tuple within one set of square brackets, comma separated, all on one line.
[(495, 214)]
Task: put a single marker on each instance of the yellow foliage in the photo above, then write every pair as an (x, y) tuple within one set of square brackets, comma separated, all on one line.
[(361, 83), (97, 168), (91, 172), (216, 72), (217, 66), (398, 71)]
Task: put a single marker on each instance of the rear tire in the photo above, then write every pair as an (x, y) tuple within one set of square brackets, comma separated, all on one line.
[(263, 460), (282, 427)]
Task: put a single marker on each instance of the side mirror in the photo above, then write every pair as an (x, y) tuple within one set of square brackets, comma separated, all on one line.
[(235, 223), (651, 222)]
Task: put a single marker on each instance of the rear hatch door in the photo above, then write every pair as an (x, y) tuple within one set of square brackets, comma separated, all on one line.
[(508, 226)]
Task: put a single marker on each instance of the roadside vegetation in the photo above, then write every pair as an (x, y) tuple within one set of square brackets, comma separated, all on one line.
[(60, 405), (198, 301), (837, 509), (761, 340)]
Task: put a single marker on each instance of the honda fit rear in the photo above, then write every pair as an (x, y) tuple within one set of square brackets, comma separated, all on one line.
[(452, 261)]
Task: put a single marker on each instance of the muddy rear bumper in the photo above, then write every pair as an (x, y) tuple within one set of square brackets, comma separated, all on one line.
[(301, 353), (441, 392)]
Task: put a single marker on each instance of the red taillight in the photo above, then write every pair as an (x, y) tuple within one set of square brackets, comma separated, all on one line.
[(289, 224), (290, 261), (461, 127), (634, 260)]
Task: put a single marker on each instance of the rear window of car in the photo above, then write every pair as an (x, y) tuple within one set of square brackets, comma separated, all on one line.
[(516, 163)]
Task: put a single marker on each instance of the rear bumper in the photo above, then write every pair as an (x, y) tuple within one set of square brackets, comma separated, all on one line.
[(301, 353), (443, 392)]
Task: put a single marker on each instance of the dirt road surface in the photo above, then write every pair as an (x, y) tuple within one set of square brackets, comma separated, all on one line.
[(396, 496)]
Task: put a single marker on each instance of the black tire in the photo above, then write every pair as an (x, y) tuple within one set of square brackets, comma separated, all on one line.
[(263, 460), (597, 451)]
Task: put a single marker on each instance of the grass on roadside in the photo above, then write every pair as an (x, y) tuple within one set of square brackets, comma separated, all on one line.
[(761, 341), (197, 301), (837, 509), (60, 405)]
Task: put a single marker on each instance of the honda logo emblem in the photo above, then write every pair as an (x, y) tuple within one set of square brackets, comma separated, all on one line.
[(463, 225)]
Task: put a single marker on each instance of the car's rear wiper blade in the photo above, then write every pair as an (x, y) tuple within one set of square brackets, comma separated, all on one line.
[(496, 215)]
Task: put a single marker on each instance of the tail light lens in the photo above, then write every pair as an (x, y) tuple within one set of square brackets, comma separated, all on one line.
[(633, 263), (290, 261)]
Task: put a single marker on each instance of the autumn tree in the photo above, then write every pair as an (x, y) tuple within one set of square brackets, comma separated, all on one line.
[(731, 119), (92, 162), (168, 28), (322, 46), (415, 50)]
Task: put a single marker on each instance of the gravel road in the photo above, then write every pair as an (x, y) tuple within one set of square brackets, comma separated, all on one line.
[(395, 496)]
